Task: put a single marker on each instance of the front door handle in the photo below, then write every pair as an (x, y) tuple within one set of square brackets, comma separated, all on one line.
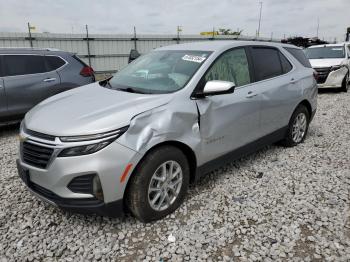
[(49, 79), (251, 94)]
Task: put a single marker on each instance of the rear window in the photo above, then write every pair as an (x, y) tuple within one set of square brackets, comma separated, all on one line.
[(266, 63), (299, 55), (23, 64), (54, 62), (79, 60)]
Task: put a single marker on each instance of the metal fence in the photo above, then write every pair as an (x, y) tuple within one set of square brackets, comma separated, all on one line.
[(106, 53)]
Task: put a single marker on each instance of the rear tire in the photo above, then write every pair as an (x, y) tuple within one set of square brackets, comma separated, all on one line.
[(164, 173), (297, 127), (345, 84)]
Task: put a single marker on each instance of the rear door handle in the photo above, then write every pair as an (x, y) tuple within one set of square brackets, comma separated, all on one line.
[(49, 79), (293, 81), (251, 94)]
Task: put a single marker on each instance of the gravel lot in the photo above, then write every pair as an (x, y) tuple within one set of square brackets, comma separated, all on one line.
[(278, 204)]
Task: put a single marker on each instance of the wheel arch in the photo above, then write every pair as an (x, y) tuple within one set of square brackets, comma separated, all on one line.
[(308, 106), (188, 152)]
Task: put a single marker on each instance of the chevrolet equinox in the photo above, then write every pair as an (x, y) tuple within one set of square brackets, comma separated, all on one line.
[(136, 141)]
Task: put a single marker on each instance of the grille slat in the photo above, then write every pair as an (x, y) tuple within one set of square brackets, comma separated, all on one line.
[(36, 155), (322, 73)]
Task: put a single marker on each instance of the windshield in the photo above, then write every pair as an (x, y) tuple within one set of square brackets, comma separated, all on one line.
[(325, 52), (159, 72)]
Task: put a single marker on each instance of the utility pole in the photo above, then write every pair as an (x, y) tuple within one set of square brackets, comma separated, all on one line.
[(135, 45), (30, 35), (88, 44), (318, 26), (213, 32), (261, 3)]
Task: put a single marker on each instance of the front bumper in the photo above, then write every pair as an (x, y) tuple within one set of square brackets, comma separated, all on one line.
[(77, 205), (51, 183), (334, 79)]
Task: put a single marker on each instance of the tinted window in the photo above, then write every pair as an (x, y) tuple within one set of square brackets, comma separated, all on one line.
[(299, 55), (54, 62), (266, 63), (286, 66), (23, 64), (231, 66), (1, 67)]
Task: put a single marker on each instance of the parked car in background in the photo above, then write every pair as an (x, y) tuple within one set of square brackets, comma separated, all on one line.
[(30, 75), (138, 139), (332, 63)]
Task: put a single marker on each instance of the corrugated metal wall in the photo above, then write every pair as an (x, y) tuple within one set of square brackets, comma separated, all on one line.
[(108, 53)]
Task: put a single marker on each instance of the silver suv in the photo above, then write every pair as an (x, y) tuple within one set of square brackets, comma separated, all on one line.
[(30, 75), (137, 140)]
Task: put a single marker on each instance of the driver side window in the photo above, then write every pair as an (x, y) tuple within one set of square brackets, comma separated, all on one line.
[(232, 66)]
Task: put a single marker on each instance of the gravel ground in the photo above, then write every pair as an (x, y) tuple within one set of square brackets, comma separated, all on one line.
[(277, 204)]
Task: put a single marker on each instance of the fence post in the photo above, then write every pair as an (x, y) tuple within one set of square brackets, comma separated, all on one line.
[(30, 36), (135, 45), (88, 44)]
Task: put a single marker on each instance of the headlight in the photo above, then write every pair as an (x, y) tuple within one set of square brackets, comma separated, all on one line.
[(333, 68), (106, 138), (111, 134), (84, 150)]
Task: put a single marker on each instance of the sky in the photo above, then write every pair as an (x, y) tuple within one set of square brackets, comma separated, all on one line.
[(279, 17)]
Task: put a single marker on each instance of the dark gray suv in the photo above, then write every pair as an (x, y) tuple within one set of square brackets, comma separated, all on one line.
[(29, 75)]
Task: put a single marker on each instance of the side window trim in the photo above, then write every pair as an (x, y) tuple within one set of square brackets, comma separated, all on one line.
[(200, 84)]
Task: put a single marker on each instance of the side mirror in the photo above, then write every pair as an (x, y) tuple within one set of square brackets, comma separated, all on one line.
[(217, 87), (133, 55)]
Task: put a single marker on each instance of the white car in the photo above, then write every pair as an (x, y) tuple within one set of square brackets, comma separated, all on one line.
[(332, 64)]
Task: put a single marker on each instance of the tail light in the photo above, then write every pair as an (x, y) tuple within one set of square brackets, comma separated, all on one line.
[(315, 75), (87, 71)]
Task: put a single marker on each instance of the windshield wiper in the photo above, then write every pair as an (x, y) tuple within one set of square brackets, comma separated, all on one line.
[(130, 90)]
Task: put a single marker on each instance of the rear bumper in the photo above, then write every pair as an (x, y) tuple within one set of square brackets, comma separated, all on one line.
[(77, 205)]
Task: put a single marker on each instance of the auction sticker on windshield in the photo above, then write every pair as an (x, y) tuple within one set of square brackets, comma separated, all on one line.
[(193, 58)]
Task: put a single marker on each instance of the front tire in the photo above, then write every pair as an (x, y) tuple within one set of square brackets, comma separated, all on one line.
[(298, 127), (159, 184)]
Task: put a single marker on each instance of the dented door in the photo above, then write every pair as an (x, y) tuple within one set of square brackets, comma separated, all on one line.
[(228, 121)]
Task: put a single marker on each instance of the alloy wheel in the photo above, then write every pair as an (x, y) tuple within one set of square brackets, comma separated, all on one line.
[(165, 185), (299, 128)]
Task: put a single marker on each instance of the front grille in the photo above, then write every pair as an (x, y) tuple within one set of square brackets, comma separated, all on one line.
[(82, 184), (36, 155), (66, 202), (40, 135), (322, 74)]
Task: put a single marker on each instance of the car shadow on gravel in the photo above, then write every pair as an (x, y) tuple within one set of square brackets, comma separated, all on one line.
[(9, 129)]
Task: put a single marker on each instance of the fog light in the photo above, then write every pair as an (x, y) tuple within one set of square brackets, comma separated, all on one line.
[(97, 188)]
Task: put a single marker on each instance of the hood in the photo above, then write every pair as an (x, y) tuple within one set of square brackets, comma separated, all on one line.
[(89, 109), (326, 62)]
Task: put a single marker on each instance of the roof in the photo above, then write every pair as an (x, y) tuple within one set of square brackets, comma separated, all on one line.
[(26, 50), (218, 45), (340, 44)]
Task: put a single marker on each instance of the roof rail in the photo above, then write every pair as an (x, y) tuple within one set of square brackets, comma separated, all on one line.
[(32, 48)]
